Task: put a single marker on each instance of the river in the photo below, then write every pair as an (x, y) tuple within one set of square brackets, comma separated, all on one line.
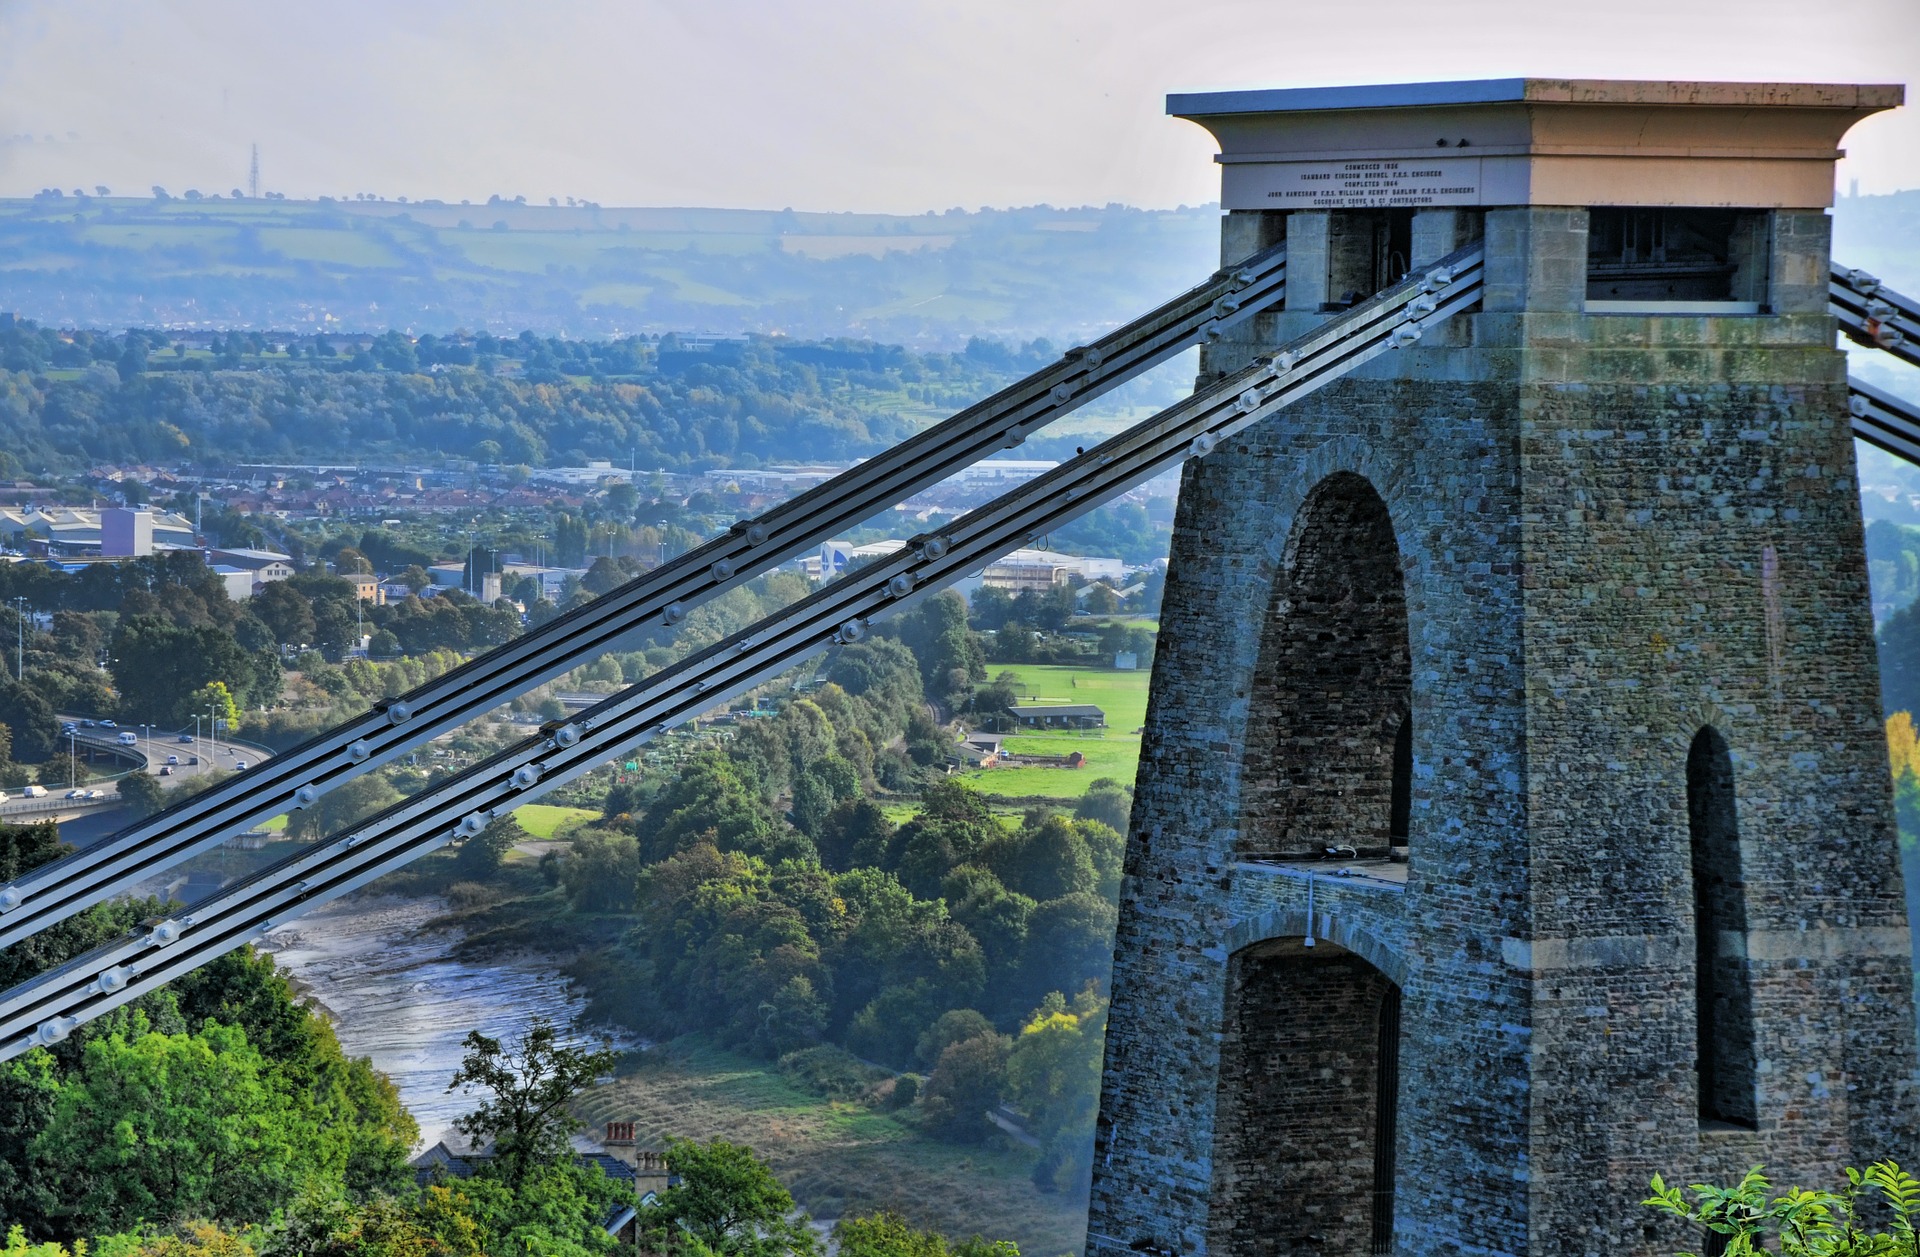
[(395, 996)]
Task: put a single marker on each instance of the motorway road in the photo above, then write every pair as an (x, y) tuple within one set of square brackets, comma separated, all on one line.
[(155, 745)]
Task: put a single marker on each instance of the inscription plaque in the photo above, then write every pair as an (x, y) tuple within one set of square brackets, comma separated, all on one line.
[(1358, 184)]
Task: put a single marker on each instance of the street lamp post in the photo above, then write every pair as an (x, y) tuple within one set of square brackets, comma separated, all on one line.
[(73, 765), (20, 637)]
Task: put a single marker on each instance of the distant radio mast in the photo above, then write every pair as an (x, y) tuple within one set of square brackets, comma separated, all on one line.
[(253, 174)]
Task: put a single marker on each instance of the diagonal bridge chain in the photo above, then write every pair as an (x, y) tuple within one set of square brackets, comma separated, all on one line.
[(1873, 315), (299, 777), (46, 1009)]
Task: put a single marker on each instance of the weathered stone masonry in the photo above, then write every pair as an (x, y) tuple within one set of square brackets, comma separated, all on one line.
[(1614, 532)]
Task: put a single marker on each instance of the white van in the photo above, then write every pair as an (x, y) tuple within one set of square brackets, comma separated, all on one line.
[(35, 792), (129, 738)]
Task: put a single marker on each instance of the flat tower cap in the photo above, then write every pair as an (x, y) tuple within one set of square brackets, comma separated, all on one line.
[(1533, 142)]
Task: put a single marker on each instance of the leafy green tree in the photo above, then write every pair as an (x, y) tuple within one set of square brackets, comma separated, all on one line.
[(142, 794), (34, 725), (709, 796), (1043, 861), (889, 1027), (348, 561), (1069, 943), (1100, 600), (529, 1085), (726, 1204), (998, 918), (887, 1234), (950, 1028), (1053, 1076), (165, 1125), (600, 874), (1052, 610), (855, 832), (953, 826), (287, 613), (989, 608), (480, 856), (1108, 802), (215, 699), (950, 656), (968, 1081), (334, 625)]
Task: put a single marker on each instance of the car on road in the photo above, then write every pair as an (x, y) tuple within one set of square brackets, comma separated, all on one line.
[(239, 765), (166, 770), (34, 792), (69, 727), (173, 759), (108, 724), (129, 738), (185, 739), (76, 794), (86, 724), (4, 797)]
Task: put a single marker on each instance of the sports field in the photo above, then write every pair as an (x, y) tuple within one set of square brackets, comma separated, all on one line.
[(1111, 752)]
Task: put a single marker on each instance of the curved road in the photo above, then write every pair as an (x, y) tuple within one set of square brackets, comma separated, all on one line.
[(155, 749)]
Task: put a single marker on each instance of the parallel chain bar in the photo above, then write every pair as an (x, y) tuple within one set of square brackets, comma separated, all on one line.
[(1884, 421), (298, 778), (47, 1008), (1874, 315)]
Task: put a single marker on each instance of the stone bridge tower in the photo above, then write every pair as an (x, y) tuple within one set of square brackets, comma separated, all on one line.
[(1514, 817)]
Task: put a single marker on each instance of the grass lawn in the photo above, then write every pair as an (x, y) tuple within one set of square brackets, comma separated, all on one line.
[(837, 1157), (542, 819), (1111, 752)]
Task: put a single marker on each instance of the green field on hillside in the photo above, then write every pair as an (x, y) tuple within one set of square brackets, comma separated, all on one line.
[(1111, 752), (838, 1157), (542, 819)]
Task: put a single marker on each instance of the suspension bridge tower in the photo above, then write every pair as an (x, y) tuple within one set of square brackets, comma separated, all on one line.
[(1513, 816)]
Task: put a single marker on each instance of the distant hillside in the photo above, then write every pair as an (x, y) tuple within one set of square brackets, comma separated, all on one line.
[(930, 281)]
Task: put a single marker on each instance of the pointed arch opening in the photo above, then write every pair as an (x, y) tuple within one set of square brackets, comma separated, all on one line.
[(1307, 1117), (1330, 736), (1725, 1060)]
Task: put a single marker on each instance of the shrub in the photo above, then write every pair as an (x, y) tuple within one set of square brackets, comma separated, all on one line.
[(465, 895), (830, 1071), (1805, 1223)]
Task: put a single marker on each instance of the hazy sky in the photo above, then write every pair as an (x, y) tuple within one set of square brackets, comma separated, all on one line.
[(891, 105)]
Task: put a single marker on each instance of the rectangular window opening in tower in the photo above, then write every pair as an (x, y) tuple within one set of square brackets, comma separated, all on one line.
[(1367, 250), (1677, 260)]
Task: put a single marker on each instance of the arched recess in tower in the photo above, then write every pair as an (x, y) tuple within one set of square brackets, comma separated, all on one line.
[(1307, 1110), (1329, 747), (1724, 1057)]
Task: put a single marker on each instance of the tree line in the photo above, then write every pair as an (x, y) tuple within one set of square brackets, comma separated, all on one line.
[(74, 399)]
